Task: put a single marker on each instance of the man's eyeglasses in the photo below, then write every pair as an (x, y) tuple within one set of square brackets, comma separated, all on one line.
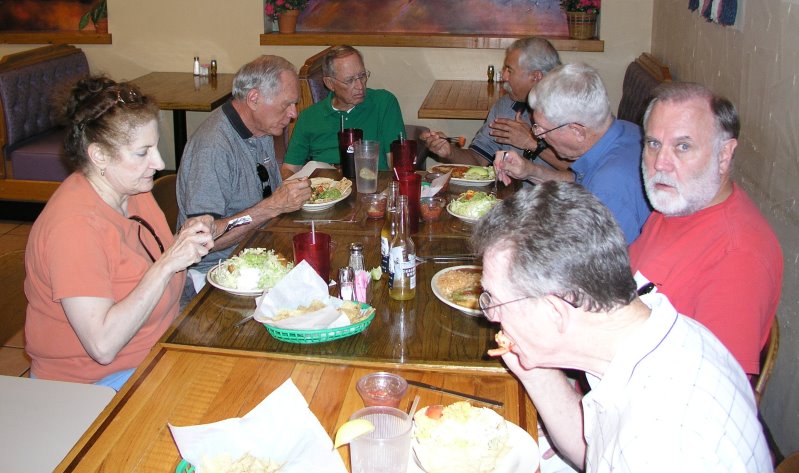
[(263, 175), (538, 131), (485, 301), (362, 77), (143, 223)]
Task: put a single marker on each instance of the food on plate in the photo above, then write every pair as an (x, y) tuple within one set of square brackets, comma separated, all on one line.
[(252, 269), (352, 429), (324, 189), (473, 204), (459, 438), (461, 287), (472, 173), (504, 345), (245, 464)]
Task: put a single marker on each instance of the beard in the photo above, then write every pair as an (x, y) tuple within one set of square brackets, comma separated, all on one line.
[(687, 197)]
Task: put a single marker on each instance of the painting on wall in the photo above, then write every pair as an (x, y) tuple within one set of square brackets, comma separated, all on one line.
[(52, 15), (467, 17)]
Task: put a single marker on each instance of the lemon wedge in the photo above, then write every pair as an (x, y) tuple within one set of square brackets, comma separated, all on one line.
[(352, 429)]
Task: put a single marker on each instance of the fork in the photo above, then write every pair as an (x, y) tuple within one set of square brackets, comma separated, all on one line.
[(236, 222), (496, 175)]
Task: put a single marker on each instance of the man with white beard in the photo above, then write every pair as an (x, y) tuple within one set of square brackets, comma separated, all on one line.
[(706, 246)]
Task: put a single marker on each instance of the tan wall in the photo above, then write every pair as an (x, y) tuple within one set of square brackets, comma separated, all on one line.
[(152, 35), (755, 65)]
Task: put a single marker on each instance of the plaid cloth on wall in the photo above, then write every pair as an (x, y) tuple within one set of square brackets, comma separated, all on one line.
[(720, 11)]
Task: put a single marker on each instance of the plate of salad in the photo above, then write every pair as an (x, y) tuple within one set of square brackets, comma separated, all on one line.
[(326, 192), (471, 205), (249, 273)]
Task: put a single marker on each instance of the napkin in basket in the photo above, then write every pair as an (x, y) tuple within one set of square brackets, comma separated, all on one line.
[(281, 428), (435, 186), (300, 287)]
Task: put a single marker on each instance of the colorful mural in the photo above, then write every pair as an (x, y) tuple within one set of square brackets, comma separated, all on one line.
[(43, 15), (469, 17)]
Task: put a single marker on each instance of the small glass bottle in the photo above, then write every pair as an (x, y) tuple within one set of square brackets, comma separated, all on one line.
[(356, 257), (212, 71), (402, 258), (490, 73), (389, 229)]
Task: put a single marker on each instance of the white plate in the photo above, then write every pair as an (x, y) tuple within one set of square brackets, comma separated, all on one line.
[(434, 284), (210, 276), (522, 456), (326, 205), (461, 217)]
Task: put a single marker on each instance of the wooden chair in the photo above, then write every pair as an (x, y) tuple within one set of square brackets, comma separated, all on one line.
[(12, 310), (640, 79), (768, 357), (312, 88), (165, 193), (789, 465)]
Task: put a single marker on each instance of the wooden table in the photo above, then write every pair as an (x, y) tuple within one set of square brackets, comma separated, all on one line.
[(182, 91), (189, 386), (420, 332), (460, 99)]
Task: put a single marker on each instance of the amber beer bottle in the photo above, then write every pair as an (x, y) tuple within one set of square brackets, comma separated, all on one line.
[(389, 230), (402, 258)]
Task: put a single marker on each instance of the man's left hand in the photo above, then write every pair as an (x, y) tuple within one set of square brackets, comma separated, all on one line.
[(516, 133)]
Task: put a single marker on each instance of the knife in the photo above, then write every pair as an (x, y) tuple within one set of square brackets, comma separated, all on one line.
[(472, 397)]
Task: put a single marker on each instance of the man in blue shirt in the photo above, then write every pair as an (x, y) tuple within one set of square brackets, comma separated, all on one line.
[(572, 114)]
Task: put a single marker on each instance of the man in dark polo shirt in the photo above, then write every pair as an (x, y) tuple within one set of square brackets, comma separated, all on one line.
[(229, 168)]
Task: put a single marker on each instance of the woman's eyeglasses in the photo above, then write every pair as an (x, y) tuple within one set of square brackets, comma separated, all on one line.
[(143, 223), (263, 175)]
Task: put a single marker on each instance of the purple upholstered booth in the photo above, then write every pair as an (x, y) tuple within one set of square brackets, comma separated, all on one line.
[(31, 83)]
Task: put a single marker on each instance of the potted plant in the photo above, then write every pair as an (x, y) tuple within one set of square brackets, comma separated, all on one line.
[(581, 15), (286, 12), (99, 16)]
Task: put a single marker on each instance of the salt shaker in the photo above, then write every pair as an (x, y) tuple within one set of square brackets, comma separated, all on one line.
[(346, 283), (196, 65), (356, 256)]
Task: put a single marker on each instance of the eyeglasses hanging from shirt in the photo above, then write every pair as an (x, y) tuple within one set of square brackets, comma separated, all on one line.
[(263, 175)]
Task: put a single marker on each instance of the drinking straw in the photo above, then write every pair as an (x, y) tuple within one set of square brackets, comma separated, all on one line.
[(313, 233), (396, 173)]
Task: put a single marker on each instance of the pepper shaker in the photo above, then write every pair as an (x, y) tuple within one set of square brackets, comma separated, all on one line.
[(490, 73), (356, 256), (213, 67)]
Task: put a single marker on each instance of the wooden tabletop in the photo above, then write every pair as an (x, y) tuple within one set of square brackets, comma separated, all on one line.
[(190, 386), (460, 99), (420, 332), (185, 91)]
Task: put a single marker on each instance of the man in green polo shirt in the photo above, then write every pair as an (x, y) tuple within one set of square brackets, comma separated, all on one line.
[(375, 111)]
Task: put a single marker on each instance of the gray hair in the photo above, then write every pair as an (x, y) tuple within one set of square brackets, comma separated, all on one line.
[(263, 74), (536, 54), (725, 115), (337, 52), (562, 241), (572, 93)]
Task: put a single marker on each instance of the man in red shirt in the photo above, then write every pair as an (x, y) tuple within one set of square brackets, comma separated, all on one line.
[(706, 245)]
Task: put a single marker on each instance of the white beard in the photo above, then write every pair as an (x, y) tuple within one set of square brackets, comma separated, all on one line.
[(692, 195)]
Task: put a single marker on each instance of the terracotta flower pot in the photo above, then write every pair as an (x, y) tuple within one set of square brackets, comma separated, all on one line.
[(287, 21), (581, 25), (101, 26)]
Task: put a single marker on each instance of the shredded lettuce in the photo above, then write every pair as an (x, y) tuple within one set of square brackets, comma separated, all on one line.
[(252, 269), (473, 204)]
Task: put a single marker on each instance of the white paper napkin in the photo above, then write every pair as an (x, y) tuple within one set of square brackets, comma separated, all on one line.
[(197, 279), (435, 186), (309, 168), (300, 287), (281, 428)]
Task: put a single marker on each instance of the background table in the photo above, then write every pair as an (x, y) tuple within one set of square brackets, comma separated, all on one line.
[(182, 91), (469, 99), (189, 386), (41, 420)]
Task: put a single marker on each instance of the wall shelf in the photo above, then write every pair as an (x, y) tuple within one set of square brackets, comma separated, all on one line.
[(54, 37), (421, 40)]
